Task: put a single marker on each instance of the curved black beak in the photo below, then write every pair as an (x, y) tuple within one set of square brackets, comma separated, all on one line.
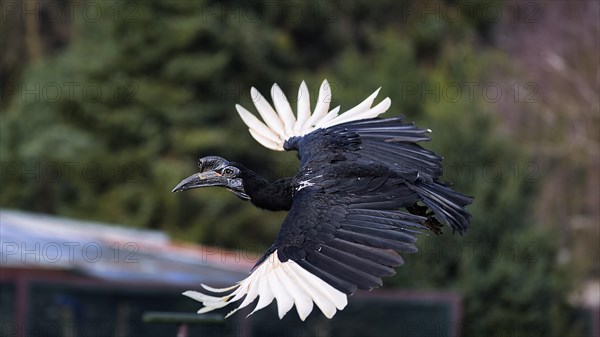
[(202, 179)]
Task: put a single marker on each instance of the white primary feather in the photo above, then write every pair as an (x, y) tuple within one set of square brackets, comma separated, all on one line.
[(266, 112), (281, 124), (284, 110), (327, 307), (255, 124), (322, 105), (218, 290), (266, 295), (303, 107), (265, 141), (373, 112), (362, 106), (338, 298), (302, 300), (284, 300), (333, 114), (286, 282)]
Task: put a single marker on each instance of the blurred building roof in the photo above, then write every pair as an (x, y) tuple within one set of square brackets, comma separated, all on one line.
[(34, 241)]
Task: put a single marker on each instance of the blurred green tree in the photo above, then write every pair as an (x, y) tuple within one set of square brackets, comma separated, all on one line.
[(144, 92)]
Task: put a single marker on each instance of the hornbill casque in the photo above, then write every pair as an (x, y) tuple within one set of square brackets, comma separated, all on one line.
[(364, 190)]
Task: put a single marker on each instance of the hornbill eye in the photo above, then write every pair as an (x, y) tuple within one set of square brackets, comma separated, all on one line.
[(228, 172)]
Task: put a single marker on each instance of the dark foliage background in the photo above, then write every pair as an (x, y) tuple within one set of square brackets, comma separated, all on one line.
[(102, 114)]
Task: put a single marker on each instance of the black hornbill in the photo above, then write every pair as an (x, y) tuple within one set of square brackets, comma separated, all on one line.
[(364, 189)]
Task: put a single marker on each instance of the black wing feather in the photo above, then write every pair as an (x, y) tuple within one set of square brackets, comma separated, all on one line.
[(348, 220)]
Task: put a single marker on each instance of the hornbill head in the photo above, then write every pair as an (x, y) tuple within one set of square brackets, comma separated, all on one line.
[(215, 171)]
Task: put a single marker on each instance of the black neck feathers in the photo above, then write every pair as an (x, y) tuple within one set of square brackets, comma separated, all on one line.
[(275, 196)]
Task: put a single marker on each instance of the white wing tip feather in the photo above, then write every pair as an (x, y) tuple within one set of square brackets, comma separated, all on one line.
[(281, 124), (286, 282)]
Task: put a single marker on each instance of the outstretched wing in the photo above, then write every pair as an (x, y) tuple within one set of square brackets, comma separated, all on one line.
[(391, 144), (336, 238), (385, 141), (347, 222), (280, 124)]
